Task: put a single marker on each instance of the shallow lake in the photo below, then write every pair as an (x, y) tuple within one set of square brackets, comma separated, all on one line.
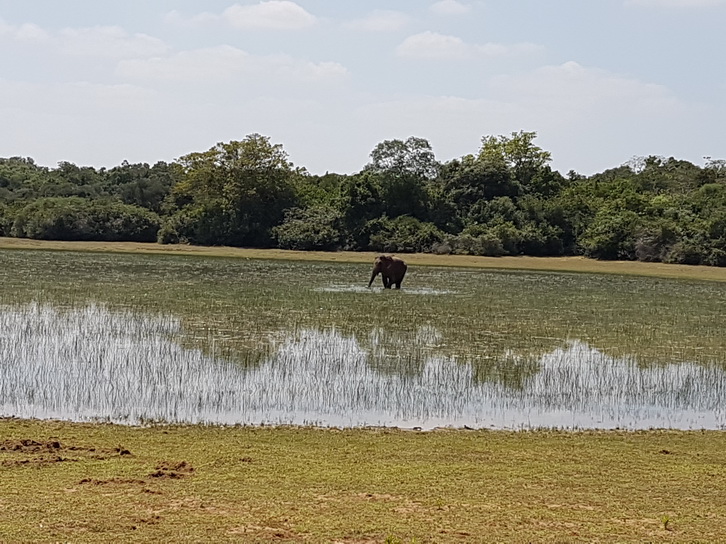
[(139, 339)]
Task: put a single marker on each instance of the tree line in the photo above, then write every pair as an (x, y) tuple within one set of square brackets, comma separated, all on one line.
[(503, 200)]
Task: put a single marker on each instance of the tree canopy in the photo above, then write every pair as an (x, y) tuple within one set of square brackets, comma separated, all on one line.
[(505, 199)]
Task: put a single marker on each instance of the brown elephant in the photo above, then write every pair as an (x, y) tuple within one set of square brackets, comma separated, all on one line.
[(392, 270)]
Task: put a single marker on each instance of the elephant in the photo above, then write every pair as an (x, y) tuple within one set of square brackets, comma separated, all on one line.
[(392, 270)]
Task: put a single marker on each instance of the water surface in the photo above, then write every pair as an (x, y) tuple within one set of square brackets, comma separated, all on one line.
[(94, 363)]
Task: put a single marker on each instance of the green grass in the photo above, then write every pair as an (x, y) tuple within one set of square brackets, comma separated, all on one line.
[(242, 304), (368, 485), (554, 264), (201, 484)]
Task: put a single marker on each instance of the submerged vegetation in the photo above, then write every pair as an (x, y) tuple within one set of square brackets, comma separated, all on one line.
[(502, 200), (139, 337), (194, 339)]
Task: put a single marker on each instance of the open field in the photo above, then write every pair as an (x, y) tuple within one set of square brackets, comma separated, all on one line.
[(554, 264), (237, 336), (103, 483)]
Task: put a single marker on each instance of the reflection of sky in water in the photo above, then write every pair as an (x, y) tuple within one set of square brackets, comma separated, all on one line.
[(94, 364)]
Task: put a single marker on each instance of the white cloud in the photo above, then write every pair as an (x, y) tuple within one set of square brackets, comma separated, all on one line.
[(675, 3), (450, 7), (27, 32), (272, 14), (109, 41), (582, 109), (225, 63), (97, 41), (432, 45), (590, 119), (380, 21), (435, 46), (178, 19), (573, 90)]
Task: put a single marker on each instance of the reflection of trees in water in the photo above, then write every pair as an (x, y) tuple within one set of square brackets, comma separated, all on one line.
[(510, 370), (92, 362), (407, 354)]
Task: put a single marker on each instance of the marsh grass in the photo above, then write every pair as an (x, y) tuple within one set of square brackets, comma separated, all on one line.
[(320, 486), (94, 364), (449, 342), (554, 264)]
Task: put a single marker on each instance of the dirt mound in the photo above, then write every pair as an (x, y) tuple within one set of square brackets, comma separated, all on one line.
[(172, 470), (30, 446), (35, 461), (94, 481)]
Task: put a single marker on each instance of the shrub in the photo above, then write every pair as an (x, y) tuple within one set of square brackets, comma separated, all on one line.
[(403, 234), (485, 244), (611, 235), (653, 242), (4, 220), (76, 218), (310, 229), (687, 251), (541, 240)]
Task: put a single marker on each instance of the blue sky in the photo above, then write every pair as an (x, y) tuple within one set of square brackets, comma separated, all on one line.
[(96, 82)]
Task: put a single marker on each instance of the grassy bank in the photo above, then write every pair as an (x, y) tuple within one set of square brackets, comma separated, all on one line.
[(103, 483), (554, 264)]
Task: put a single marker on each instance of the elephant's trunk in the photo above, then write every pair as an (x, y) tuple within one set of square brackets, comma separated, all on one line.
[(373, 276)]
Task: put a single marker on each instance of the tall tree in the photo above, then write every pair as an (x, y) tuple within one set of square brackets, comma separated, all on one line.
[(414, 156), (518, 153), (405, 171), (241, 189)]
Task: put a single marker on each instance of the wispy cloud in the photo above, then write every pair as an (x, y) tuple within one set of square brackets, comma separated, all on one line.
[(380, 21), (109, 42), (98, 41), (450, 7), (177, 18), (434, 46), (572, 90), (674, 3), (225, 63), (273, 14), (27, 32)]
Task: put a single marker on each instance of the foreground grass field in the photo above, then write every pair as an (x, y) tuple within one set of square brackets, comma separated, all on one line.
[(64, 482), (554, 264)]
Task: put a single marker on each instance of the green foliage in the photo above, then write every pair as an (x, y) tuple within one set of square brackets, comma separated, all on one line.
[(142, 185), (74, 218), (403, 234), (611, 235), (235, 193), (503, 200), (470, 182), (4, 220), (517, 153), (484, 243), (310, 229), (412, 157)]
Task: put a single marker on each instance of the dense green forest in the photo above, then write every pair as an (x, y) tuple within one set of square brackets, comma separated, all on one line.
[(503, 200)]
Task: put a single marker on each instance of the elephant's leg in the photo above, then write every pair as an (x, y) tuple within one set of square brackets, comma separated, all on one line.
[(386, 282), (398, 284)]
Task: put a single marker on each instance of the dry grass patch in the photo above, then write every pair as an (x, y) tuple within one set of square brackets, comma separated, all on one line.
[(316, 485)]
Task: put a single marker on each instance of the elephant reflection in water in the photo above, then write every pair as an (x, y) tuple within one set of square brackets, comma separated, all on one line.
[(392, 270)]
